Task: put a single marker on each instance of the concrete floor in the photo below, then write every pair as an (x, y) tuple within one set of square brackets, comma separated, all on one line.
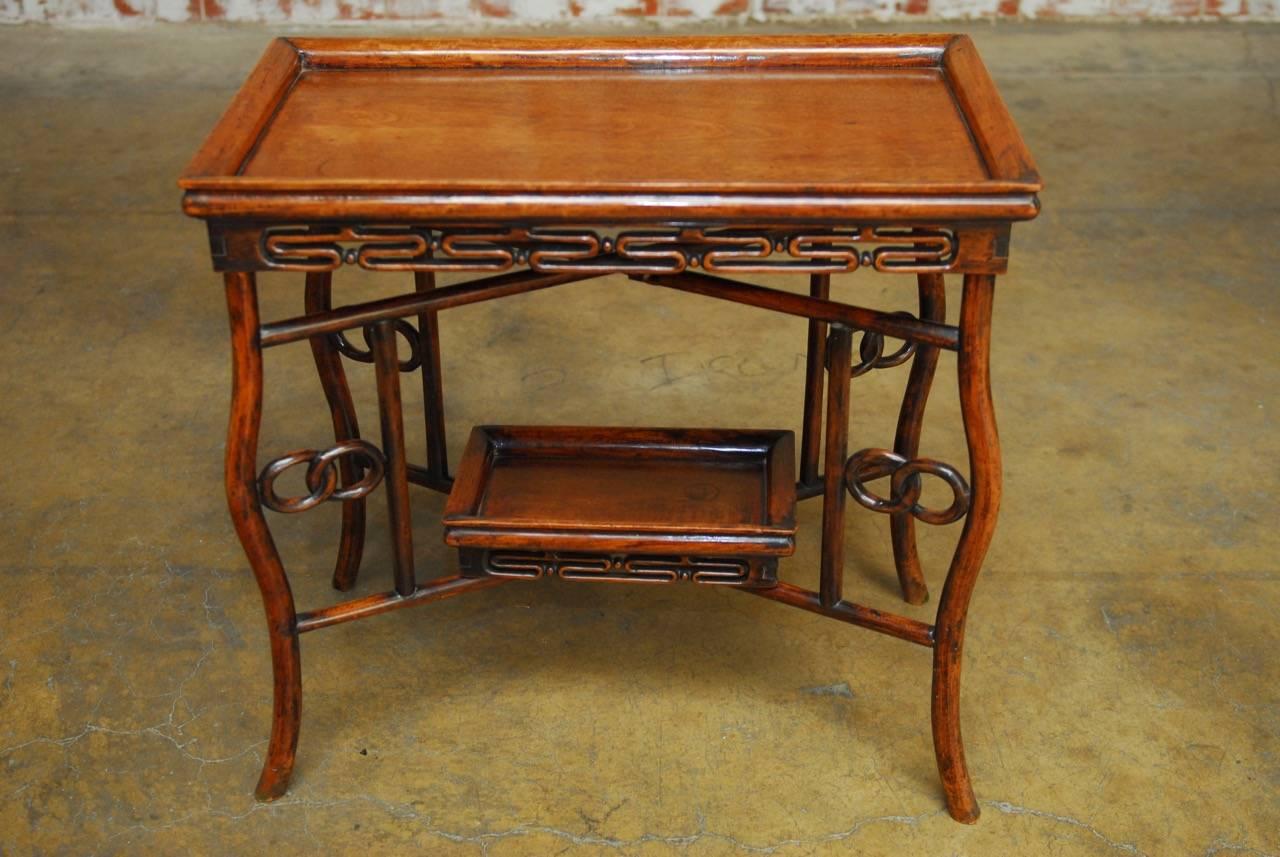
[(1122, 687)]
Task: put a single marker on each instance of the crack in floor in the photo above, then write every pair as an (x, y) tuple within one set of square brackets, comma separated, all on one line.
[(485, 840), (1222, 846), (1014, 809)]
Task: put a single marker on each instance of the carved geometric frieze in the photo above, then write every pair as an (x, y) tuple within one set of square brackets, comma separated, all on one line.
[(641, 251), (619, 568)]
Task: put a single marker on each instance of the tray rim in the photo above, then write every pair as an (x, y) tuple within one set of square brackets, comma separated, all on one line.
[(214, 186), (755, 543), (461, 518)]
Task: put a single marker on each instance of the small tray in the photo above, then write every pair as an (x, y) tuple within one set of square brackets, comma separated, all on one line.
[(628, 504)]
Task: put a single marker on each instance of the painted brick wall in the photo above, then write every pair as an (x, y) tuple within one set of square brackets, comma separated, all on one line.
[(459, 12)]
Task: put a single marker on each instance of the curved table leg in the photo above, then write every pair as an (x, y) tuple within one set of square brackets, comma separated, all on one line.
[(333, 378), (984, 465), (933, 307), (255, 536)]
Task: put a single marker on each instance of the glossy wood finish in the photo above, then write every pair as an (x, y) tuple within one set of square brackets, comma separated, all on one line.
[(250, 111), (372, 605), (906, 127), (290, 205), (437, 469), (808, 154), (985, 482), (456, 130), (434, 300), (255, 535), (933, 307), (906, 327), (839, 354), (382, 342), (815, 368), (992, 127), (902, 627), (755, 52), (346, 426), (686, 492)]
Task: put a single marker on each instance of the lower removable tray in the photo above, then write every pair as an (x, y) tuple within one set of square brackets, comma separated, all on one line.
[(624, 504)]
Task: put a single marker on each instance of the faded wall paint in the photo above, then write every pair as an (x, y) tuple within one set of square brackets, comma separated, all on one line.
[(534, 11)]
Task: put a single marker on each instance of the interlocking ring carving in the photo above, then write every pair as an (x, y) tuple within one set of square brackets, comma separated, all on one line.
[(365, 355), (904, 485), (871, 351), (322, 476)]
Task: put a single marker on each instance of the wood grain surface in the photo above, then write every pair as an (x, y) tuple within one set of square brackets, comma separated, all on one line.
[(735, 127), (614, 130)]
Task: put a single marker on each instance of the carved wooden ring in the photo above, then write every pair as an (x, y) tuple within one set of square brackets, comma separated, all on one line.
[(368, 459), (871, 351), (365, 355), (322, 476), (904, 485)]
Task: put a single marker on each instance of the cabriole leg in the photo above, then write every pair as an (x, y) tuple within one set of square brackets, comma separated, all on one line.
[(251, 527), (933, 307), (984, 468), (333, 379)]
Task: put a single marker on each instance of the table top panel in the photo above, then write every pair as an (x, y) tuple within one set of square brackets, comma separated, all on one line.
[(908, 127), (615, 130)]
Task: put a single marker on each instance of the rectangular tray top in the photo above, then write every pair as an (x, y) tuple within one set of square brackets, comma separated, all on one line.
[(438, 126), (690, 491)]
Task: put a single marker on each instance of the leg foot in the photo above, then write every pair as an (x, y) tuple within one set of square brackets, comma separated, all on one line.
[(947, 743), (286, 717)]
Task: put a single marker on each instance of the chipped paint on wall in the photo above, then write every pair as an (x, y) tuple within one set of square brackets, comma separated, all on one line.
[(461, 12)]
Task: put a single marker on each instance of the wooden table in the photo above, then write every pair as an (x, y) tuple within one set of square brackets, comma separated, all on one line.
[(678, 162)]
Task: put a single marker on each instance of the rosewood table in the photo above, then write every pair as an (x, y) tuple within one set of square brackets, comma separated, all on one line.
[(676, 162)]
